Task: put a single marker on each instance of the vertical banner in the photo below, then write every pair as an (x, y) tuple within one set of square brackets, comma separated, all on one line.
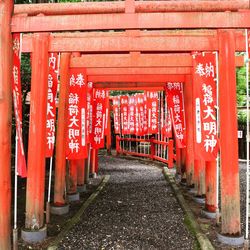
[(140, 110), (99, 118), (51, 103), (77, 105), (131, 115), (116, 114), (152, 107), (145, 119), (124, 115), (204, 81), (89, 116), (17, 98), (174, 91), (167, 128), (106, 112)]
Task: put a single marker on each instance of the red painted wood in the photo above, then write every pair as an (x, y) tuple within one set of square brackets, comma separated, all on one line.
[(34, 218), (60, 166), (211, 184), (6, 8), (150, 41), (188, 102), (136, 78), (178, 20), (119, 7), (81, 172), (230, 189)]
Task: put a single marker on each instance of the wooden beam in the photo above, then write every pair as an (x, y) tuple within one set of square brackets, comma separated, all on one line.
[(119, 7), (177, 20), (136, 78), (137, 61), (131, 86), (140, 71), (163, 41)]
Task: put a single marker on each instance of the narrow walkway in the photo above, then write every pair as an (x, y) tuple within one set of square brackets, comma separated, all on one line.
[(136, 210)]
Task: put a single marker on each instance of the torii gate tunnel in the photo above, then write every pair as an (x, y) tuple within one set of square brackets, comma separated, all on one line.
[(148, 44)]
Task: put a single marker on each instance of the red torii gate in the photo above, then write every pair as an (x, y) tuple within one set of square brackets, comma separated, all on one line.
[(54, 21)]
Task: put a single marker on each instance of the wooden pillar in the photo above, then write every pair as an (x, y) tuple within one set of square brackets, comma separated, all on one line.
[(188, 100), (96, 162), (108, 137), (178, 160), (183, 163), (230, 189), (6, 9), (72, 177), (37, 133), (60, 166), (81, 172), (199, 179), (211, 184), (92, 161)]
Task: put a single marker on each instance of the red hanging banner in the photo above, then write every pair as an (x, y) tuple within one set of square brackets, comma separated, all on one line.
[(204, 80), (99, 118), (51, 103), (106, 112), (17, 99), (167, 128), (140, 110), (131, 115), (124, 115), (152, 107), (145, 119), (77, 105), (116, 114), (174, 91), (89, 115)]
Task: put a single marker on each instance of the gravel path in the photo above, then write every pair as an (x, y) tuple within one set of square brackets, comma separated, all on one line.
[(136, 210)]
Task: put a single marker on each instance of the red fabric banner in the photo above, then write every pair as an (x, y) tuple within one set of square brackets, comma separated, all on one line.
[(51, 103), (131, 115), (140, 113), (167, 128), (152, 107), (116, 114), (17, 99), (89, 115), (99, 118), (124, 115), (145, 119), (174, 91), (77, 106), (204, 80), (106, 112)]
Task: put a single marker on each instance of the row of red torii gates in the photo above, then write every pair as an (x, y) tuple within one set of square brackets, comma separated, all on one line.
[(145, 53)]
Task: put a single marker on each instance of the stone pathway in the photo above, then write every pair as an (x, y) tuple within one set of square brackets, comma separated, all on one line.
[(136, 210)]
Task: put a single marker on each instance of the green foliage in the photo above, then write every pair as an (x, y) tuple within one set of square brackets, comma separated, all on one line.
[(241, 86), (242, 117)]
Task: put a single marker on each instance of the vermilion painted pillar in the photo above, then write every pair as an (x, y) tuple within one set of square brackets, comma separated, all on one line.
[(96, 162), (93, 159), (81, 172), (60, 166), (199, 177), (178, 160), (211, 184), (108, 145), (183, 162), (37, 133), (6, 8), (230, 189), (72, 181), (188, 100)]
